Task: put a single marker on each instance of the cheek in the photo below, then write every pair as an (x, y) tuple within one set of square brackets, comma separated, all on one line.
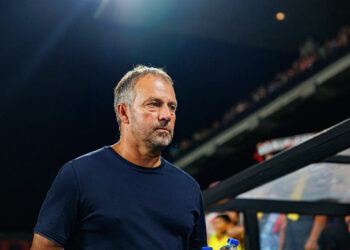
[(217, 227), (221, 226), (146, 117), (149, 121), (173, 120)]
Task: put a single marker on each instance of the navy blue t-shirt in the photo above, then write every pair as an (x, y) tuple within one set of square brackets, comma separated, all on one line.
[(101, 201)]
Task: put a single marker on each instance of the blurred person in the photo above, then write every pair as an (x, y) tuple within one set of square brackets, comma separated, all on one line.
[(317, 228), (335, 234), (294, 231), (221, 225), (209, 219), (318, 233), (322, 53), (347, 222), (233, 215), (235, 229), (126, 195), (307, 48), (270, 226), (342, 38)]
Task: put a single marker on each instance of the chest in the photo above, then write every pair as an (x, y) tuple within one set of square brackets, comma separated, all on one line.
[(123, 202)]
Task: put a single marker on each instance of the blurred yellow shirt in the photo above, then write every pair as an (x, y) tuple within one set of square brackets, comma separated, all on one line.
[(216, 244)]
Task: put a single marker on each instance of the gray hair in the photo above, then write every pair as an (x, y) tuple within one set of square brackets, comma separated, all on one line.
[(124, 91)]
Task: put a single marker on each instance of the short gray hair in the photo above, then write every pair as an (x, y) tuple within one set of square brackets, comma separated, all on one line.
[(124, 91)]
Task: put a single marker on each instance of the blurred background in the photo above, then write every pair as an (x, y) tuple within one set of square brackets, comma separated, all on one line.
[(60, 61)]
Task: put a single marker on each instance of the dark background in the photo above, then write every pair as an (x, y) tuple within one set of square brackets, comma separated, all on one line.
[(60, 60)]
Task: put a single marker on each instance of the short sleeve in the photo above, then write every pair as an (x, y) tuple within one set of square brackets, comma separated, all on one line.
[(198, 238), (58, 214)]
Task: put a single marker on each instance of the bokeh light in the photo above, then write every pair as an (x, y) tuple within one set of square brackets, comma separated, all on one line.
[(280, 16)]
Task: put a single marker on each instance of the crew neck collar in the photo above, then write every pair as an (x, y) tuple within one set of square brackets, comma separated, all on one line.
[(145, 169)]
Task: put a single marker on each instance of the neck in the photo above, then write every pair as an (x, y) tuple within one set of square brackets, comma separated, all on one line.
[(137, 154), (220, 235)]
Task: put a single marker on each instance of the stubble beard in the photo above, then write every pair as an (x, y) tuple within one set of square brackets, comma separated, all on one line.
[(155, 138), (160, 139)]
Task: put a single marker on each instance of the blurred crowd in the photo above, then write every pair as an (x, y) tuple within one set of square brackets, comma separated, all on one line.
[(281, 231), (310, 52)]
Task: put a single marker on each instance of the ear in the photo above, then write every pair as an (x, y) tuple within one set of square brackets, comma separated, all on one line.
[(123, 113)]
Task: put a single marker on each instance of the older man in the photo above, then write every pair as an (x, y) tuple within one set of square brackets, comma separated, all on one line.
[(126, 195)]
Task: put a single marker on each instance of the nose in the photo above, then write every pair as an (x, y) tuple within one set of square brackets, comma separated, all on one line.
[(165, 114)]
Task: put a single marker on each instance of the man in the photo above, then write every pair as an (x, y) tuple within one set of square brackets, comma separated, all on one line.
[(126, 196)]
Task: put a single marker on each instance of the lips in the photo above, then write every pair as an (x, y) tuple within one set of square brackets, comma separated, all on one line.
[(163, 129)]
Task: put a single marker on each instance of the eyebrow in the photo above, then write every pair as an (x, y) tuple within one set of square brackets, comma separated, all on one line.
[(159, 100)]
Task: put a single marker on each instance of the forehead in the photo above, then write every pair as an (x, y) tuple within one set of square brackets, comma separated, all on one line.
[(154, 86), (219, 219)]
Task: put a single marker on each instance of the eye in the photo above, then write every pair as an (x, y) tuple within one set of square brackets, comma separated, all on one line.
[(154, 104), (172, 108)]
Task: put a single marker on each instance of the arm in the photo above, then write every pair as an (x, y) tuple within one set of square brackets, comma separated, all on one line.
[(58, 214), (198, 238), (317, 228), (282, 232), (236, 232), (41, 243)]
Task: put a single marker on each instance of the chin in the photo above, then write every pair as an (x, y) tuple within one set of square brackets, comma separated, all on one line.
[(160, 140), (161, 143)]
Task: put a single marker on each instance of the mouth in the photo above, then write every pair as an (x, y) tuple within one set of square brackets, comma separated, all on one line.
[(163, 129)]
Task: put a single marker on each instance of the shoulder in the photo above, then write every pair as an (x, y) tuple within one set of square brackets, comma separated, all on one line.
[(182, 174), (86, 162), (94, 156)]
